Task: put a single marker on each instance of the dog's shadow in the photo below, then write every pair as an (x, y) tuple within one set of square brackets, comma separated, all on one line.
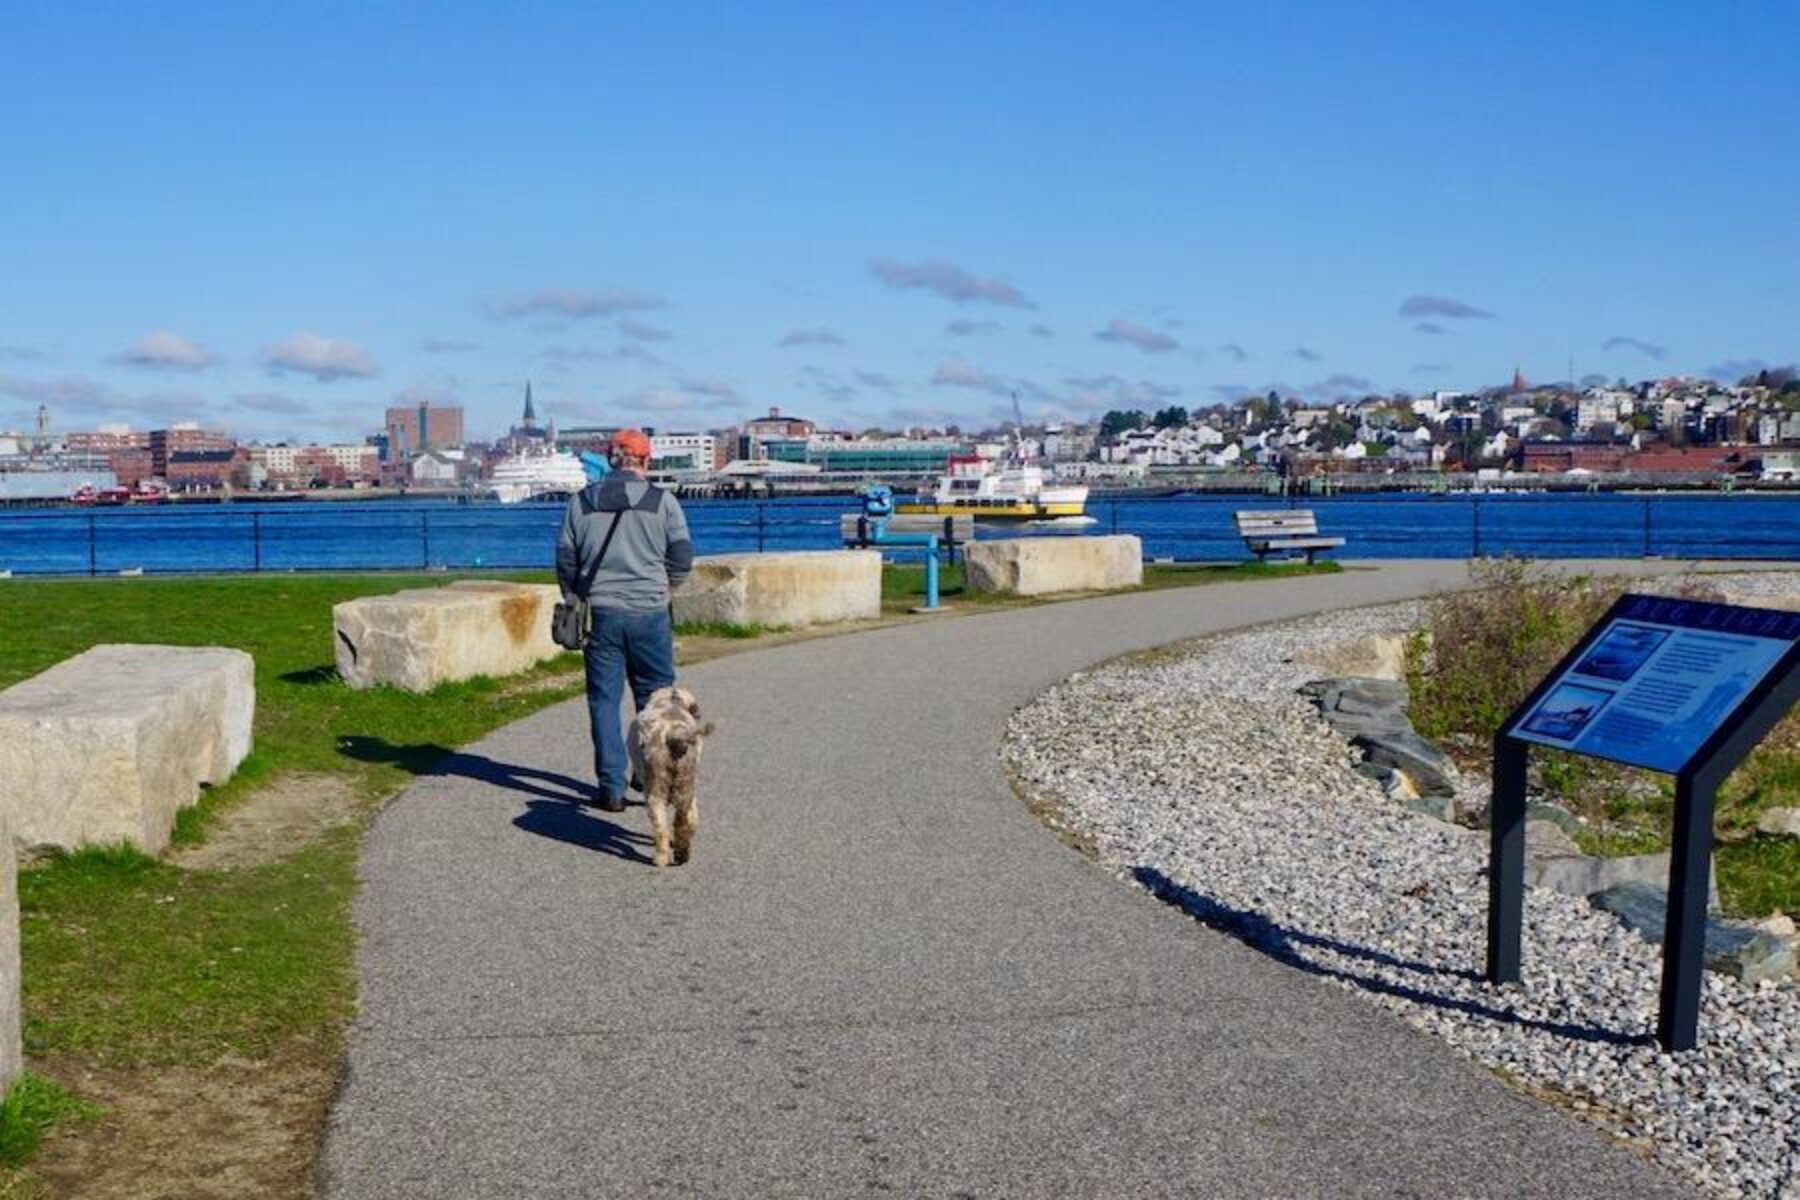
[(565, 822), (553, 809)]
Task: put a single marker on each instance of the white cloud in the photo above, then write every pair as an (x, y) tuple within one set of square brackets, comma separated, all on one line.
[(1131, 333), (965, 375), (163, 350), (568, 302), (810, 337), (325, 359), (947, 280), (1440, 306), (271, 402), (642, 331), (967, 328)]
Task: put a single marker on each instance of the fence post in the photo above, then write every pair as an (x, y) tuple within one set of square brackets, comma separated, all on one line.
[(425, 540), (1115, 514), (1646, 527), (1475, 525), (256, 541), (93, 547), (761, 513)]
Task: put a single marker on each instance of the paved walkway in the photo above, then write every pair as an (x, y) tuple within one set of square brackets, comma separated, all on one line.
[(880, 974)]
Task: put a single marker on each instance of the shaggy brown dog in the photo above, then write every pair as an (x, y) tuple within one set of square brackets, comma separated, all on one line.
[(665, 743)]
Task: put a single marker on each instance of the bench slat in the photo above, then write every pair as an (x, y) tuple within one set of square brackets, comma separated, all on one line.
[(1296, 543), (1267, 530)]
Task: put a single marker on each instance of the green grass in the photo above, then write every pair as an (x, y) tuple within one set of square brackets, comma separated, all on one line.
[(1758, 875), (32, 1105), (1481, 652), (130, 961)]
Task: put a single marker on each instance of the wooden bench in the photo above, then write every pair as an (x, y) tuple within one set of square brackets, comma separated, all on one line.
[(953, 531), (1285, 530)]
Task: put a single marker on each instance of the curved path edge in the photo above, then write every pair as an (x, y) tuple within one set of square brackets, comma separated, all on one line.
[(880, 973)]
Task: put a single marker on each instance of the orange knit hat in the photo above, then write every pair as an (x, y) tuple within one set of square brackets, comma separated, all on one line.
[(631, 442)]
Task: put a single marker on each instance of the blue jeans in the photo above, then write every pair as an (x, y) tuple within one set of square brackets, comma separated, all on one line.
[(634, 646)]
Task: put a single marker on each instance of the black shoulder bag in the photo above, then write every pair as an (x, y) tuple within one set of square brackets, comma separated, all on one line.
[(570, 624)]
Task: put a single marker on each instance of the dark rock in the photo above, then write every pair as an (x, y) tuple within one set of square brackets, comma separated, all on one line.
[(1536, 810), (1431, 770), (1734, 948), (1357, 695)]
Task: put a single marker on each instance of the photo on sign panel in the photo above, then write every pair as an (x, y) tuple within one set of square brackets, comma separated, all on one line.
[(1622, 651), (1566, 711)]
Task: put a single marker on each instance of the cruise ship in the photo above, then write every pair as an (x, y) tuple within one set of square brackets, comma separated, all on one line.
[(544, 475), (990, 491)]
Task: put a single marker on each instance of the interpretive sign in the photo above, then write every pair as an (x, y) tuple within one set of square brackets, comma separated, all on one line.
[(1656, 678), (1686, 687)]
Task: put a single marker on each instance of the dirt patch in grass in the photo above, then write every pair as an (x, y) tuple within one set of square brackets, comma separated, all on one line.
[(231, 1129), (289, 812)]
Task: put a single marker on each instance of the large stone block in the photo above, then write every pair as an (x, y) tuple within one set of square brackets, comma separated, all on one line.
[(790, 588), (11, 1052), (1376, 656), (1041, 566), (418, 639), (109, 745)]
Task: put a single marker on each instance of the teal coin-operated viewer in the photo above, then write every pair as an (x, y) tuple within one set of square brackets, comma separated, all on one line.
[(878, 509)]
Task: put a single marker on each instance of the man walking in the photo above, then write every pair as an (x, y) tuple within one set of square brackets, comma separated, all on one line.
[(633, 537)]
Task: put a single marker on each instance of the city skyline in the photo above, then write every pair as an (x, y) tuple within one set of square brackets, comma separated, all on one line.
[(283, 223)]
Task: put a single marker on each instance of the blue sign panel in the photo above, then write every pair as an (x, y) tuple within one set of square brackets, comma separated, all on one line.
[(1651, 684)]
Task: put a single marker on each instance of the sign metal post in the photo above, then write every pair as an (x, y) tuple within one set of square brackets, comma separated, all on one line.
[(1684, 687)]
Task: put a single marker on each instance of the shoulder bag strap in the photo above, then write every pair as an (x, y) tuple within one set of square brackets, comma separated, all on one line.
[(587, 576)]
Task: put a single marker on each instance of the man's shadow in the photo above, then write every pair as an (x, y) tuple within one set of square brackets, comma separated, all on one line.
[(554, 809)]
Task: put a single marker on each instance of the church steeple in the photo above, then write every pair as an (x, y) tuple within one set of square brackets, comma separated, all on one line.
[(529, 421)]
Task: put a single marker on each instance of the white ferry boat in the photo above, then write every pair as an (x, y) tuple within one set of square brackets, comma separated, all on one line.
[(540, 476), (990, 491)]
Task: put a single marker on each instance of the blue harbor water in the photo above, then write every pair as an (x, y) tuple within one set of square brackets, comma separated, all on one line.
[(247, 536)]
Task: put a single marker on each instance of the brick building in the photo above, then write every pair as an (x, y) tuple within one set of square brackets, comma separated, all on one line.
[(207, 470), (411, 431), (183, 439)]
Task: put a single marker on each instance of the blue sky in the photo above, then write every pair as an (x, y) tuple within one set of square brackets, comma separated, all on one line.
[(278, 219)]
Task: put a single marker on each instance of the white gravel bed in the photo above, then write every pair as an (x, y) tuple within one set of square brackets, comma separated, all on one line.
[(1199, 774)]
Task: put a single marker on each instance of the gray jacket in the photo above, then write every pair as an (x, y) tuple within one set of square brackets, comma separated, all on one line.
[(650, 555)]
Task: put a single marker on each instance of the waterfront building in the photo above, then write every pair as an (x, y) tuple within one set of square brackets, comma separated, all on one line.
[(285, 466), (413, 430), (683, 454), (106, 440), (131, 467), (776, 425), (867, 456), (184, 438), (207, 470), (441, 468)]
